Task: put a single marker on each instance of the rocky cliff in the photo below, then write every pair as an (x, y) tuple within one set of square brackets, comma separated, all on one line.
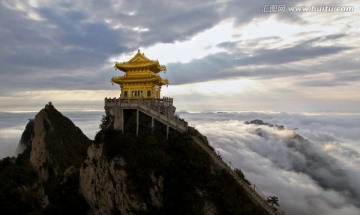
[(56, 144), (62, 171)]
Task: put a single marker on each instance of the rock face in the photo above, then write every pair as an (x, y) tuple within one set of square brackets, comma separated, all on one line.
[(26, 137), (55, 146), (56, 143), (104, 186), (129, 175), (260, 122)]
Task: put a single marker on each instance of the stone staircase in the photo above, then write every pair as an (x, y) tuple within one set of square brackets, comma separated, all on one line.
[(173, 121), (256, 197)]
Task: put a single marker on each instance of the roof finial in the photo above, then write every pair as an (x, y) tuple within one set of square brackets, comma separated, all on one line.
[(138, 50)]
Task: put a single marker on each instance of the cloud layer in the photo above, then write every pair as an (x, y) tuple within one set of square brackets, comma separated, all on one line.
[(316, 175)]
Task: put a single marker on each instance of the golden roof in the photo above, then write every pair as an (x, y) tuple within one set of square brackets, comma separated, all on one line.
[(139, 61), (128, 79)]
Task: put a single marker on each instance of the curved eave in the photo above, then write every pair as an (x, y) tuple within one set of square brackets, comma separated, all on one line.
[(157, 80), (153, 66)]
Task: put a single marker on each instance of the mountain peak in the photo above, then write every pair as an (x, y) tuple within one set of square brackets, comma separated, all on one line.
[(54, 141)]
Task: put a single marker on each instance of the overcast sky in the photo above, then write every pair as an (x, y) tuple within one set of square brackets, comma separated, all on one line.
[(226, 55)]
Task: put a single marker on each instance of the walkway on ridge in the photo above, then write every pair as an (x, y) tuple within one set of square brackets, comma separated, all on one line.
[(248, 189), (172, 121)]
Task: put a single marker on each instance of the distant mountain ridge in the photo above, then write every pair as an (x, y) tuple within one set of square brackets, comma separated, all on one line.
[(260, 122)]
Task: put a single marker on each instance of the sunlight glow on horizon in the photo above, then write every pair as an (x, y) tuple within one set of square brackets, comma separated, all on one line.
[(205, 43), (215, 88)]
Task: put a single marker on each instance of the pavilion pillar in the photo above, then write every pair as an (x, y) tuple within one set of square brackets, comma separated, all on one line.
[(122, 120), (167, 131), (137, 122), (152, 125)]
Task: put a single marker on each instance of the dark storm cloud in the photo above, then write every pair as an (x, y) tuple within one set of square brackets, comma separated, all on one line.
[(72, 41), (302, 51), (180, 24), (69, 47), (45, 54), (72, 36), (274, 62), (321, 83), (208, 68), (70, 44), (59, 42), (244, 12), (339, 79)]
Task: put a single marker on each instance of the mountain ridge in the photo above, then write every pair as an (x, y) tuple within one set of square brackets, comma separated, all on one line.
[(119, 173)]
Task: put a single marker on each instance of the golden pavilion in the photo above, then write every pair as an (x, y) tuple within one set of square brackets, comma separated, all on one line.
[(141, 78), (140, 88)]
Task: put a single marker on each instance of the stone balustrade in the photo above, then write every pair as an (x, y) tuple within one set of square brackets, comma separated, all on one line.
[(160, 109)]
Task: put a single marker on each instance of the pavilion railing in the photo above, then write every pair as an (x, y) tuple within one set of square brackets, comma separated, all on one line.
[(163, 109)]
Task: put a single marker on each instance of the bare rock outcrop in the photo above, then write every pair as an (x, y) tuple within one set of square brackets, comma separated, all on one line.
[(53, 144), (104, 185), (56, 143)]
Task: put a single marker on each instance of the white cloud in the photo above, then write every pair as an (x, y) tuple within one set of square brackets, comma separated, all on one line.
[(316, 177)]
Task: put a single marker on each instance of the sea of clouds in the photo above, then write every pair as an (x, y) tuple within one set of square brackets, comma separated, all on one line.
[(312, 165)]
